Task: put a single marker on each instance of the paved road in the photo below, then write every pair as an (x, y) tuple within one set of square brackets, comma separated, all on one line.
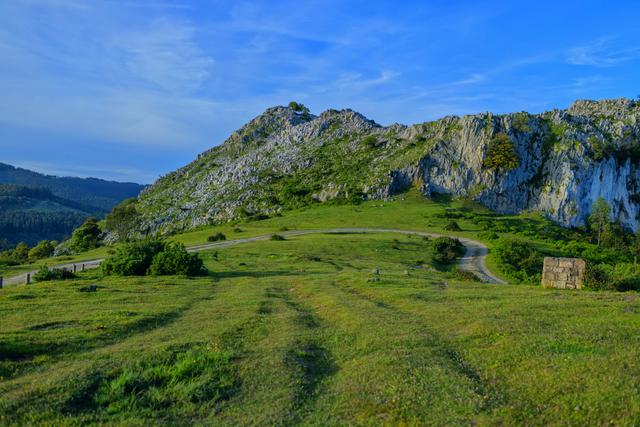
[(473, 260)]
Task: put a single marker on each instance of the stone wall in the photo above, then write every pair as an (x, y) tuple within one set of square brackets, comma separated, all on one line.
[(563, 273)]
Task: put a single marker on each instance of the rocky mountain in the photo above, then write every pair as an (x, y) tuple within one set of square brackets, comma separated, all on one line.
[(93, 192), (558, 163)]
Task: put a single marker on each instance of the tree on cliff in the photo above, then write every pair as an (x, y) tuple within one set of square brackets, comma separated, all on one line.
[(600, 217)]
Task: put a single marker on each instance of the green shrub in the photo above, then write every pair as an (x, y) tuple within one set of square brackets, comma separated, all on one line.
[(488, 235), (175, 259), (447, 250), (452, 226), (132, 259), (44, 249), (370, 141), (621, 277), (277, 237), (21, 253), (520, 260), (501, 154), (216, 237), (122, 220), (86, 237), (44, 274)]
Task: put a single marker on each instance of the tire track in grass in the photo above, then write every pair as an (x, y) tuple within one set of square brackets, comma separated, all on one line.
[(488, 396), (284, 368), (491, 396), (309, 360)]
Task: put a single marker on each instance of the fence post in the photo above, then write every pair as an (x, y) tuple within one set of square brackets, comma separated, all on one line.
[(82, 267), (74, 268), (28, 278), (1, 282)]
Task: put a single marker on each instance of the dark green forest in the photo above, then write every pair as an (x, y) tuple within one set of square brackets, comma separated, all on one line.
[(94, 192)]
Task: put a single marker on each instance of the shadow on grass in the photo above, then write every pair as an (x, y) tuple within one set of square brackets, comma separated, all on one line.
[(18, 351)]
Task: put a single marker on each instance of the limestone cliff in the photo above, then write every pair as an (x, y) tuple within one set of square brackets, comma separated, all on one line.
[(288, 157)]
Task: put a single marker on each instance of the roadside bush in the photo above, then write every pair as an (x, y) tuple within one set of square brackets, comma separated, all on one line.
[(277, 238), (132, 259), (520, 260), (216, 237), (175, 259), (152, 257), (44, 274), (446, 250)]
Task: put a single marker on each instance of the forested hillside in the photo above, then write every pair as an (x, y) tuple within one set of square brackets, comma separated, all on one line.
[(93, 192), (32, 214)]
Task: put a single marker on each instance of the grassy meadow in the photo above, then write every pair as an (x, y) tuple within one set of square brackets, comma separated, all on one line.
[(295, 332)]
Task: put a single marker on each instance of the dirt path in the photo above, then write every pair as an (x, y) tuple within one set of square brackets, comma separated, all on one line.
[(473, 260)]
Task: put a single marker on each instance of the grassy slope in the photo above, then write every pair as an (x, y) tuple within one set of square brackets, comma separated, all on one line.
[(409, 211), (294, 333)]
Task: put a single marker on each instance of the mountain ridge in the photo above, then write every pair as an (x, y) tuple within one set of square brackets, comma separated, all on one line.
[(95, 192), (288, 157)]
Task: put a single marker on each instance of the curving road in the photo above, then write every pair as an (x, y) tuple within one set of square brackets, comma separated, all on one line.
[(473, 260)]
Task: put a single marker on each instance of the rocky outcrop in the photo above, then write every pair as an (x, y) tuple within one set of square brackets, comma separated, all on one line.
[(287, 157)]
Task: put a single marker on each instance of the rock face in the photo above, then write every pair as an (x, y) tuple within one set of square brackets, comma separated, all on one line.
[(288, 157)]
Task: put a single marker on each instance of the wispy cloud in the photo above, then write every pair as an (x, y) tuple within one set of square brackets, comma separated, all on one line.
[(601, 53), (166, 54)]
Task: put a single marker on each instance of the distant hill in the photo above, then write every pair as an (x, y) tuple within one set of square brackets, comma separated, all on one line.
[(93, 192), (34, 206), (33, 214)]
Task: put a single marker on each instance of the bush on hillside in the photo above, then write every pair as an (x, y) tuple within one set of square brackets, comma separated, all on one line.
[(501, 154), (175, 259), (44, 249), (85, 237), (18, 255), (446, 250), (121, 221), (216, 237), (452, 226)]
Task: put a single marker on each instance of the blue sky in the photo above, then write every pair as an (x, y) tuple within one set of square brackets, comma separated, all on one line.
[(132, 89)]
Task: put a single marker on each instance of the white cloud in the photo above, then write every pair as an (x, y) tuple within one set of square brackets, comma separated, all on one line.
[(165, 54), (601, 53)]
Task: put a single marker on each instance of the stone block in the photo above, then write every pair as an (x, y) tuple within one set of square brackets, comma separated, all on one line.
[(563, 273)]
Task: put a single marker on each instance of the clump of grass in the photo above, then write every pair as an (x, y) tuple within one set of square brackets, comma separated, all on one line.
[(216, 237), (196, 376), (237, 230), (277, 238)]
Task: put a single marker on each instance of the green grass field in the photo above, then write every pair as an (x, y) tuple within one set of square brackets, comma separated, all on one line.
[(292, 332)]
